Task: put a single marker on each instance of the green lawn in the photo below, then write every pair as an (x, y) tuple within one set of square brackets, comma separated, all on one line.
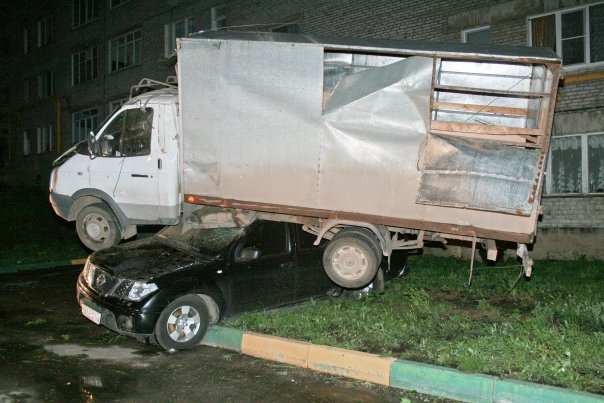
[(547, 330), (32, 233)]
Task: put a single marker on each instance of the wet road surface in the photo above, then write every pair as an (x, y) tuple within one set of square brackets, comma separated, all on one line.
[(50, 352)]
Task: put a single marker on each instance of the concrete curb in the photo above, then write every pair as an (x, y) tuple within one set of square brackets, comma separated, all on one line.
[(423, 378), (35, 266)]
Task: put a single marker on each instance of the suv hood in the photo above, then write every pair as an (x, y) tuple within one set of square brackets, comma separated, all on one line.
[(145, 259)]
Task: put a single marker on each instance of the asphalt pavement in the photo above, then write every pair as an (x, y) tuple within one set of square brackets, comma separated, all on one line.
[(50, 352)]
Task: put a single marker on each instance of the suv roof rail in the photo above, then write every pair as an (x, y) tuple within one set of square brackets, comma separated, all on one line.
[(148, 84)]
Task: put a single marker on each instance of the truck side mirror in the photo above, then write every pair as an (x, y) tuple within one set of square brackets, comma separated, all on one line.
[(92, 146)]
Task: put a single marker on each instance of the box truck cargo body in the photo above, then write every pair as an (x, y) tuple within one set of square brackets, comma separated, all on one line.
[(379, 140)]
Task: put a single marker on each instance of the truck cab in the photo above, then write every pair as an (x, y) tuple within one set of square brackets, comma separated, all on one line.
[(126, 173)]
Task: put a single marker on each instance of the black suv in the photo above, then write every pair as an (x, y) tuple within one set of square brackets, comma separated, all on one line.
[(169, 288)]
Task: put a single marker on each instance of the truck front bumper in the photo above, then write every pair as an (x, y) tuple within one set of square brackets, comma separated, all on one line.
[(61, 204)]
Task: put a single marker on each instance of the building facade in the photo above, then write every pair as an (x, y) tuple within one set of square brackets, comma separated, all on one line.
[(66, 64)]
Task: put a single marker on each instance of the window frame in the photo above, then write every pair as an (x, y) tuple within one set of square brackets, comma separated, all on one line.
[(558, 21), (45, 80), (218, 16), (116, 104), (94, 121), (45, 28), (89, 16), (465, 32), (26, 144), (45, 139), (136, 43), (170, 34), (584, 167), (93, 58)]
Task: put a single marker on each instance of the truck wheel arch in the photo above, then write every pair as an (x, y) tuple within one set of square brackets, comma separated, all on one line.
[(87, 197)]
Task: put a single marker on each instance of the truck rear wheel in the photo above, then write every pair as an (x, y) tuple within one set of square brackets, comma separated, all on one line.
[(97, 227), (352, 258)]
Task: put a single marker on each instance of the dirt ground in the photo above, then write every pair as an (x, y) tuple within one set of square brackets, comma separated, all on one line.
[(50, 352)]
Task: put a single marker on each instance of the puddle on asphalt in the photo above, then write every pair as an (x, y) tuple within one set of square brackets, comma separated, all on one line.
[(112, 353)]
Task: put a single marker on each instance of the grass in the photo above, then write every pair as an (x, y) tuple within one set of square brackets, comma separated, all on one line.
[(548, 330), (32, 233)]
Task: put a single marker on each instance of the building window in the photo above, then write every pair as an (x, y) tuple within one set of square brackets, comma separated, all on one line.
[(84, 65), (576, 164), (45, 32), (26, 86), (85, 11), (479, 35), (26, 144), (44, 139), (178, 29), (84, 122), (115, 105), (45, 84), (287, 28), (25, 41), (576, 34), (218, 15), (115, 3), (125, 51)]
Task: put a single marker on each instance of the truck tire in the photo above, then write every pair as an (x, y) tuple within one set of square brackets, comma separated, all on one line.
[(352, 257), (182, 324), (97, 227)]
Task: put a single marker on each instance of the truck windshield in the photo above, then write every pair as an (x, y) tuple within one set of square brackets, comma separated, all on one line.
[(207, 241)]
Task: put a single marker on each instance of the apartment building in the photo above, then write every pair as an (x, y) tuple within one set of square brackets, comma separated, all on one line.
[(66, 64)]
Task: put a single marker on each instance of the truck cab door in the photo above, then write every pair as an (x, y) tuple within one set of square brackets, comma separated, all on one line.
[(126, 167)]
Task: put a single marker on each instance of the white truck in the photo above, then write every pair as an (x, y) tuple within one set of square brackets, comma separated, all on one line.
[(373, 144)]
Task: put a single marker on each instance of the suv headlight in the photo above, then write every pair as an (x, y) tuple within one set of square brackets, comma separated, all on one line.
[(140, 290)]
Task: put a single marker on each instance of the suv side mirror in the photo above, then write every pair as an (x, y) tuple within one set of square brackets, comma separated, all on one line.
[(250, 253)]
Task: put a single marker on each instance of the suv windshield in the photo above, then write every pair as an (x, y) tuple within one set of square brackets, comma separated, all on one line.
[(207, 241)]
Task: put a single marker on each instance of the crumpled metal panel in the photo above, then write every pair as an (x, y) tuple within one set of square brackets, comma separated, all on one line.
[(376, 121), (478, 174)]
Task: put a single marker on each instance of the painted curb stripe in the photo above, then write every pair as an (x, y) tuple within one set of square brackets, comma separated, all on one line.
[(507, 390), (441, 381), (224, 337), (274, 348), (425, 378), (349, 363)]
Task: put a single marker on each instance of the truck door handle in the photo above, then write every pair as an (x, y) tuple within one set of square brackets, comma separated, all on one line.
[(139, 176), (159, 163)]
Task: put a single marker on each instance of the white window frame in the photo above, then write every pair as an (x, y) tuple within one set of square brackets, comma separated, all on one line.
[(92, 117), (218, 15), (170, 34), (115, 48), (584, 166), (26, 144), (46, 82), (88, 9), (558, 17), (465, 32), (45, 31), (116, 104), (88, 56), (45, 140)]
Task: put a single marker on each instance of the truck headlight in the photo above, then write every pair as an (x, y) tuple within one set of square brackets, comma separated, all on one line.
[(139, 290)]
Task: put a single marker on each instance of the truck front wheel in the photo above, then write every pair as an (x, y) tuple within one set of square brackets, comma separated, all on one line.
[(351, 259), (97, 227)]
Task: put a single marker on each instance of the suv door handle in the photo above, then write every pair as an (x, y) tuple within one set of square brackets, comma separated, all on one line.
[(139, 176)]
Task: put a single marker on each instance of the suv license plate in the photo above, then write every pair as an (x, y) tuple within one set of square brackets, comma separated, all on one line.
[(91, 314)]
